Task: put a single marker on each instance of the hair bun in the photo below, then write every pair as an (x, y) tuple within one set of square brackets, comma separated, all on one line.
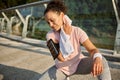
[(56, 5)]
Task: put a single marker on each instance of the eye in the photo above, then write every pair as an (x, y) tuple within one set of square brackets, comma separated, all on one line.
[(47, 22), (50, 21), (53, 21)]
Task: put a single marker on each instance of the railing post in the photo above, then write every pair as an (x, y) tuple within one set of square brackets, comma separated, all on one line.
[(117, 39), (2, 22), (24, 21), (9, 24), (33, 27)]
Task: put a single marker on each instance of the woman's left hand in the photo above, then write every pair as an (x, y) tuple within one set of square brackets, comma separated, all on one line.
[(97, 67)]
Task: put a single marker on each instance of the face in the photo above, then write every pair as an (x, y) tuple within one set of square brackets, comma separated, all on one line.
[(54, 20)]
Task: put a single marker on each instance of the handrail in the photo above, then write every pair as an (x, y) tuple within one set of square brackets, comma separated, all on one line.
[(116, 12), (117, 40), (26, 5)]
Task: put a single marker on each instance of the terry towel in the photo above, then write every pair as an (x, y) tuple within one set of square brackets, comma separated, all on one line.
[(65, 45)]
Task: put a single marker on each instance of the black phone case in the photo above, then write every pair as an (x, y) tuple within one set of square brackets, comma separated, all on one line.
[(54, 48)]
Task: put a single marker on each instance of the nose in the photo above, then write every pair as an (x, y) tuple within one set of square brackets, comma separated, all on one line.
[(51, 24)]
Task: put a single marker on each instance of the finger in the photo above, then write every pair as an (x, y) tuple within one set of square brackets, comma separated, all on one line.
[(97, 69), (94, 70), (101, 69)]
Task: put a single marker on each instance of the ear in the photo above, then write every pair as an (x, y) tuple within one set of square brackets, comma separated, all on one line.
[(62, 15), (67, 20)]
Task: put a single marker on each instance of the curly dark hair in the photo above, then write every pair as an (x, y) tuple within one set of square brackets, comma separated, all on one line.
[(57, 6)]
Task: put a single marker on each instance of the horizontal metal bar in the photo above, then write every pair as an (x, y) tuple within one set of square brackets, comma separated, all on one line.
[(26, 5)]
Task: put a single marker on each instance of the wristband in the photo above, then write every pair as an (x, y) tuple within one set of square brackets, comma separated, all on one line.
[(97, 55)]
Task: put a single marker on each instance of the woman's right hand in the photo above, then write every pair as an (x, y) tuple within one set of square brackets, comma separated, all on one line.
[(60, 57)]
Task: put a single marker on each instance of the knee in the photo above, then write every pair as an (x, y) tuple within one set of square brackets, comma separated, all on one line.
[(105, 62)]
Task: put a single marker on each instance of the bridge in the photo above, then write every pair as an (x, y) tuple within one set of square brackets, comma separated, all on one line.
[(23, 58)]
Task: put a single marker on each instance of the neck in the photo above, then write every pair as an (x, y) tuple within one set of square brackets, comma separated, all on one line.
[(67, 29)]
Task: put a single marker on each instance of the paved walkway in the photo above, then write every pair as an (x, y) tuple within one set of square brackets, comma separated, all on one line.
[(20, 61)]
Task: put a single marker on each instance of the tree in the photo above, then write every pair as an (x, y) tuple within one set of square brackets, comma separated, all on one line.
[(11, 3)]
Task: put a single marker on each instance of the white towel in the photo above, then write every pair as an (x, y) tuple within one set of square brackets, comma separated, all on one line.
[(65, 44)]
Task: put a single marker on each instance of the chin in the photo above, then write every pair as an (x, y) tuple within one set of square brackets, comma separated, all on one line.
[(58, 30), (53, 29)]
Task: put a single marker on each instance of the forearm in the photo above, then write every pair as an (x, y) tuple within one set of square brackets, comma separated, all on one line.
[(93, 51), (90, 47), (95, 54), (60, 57)]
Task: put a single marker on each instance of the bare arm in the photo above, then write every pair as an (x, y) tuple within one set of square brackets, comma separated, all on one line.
[(60, 57), (90, 47), (97, 64), (51, 48)]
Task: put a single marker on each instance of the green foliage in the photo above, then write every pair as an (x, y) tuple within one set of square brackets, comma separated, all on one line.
[(97, 18), (11, 3), (39, 34)]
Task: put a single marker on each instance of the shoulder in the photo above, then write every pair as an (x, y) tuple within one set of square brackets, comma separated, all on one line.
[(52, 35), (80, 34), (78, 30), (50, 32)]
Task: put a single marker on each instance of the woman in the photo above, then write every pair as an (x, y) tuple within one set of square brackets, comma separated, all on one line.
[(70, 59)]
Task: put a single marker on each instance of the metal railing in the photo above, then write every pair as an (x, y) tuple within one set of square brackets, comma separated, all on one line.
[(117, 39), (26, 5), (7, 21), (24, 17)]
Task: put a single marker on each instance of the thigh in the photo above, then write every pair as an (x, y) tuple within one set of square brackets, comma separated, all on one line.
[(53, 74), (85, 66)]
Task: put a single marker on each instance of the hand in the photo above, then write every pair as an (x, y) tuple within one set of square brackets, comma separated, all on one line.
[(60, 57), (97, 67)]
